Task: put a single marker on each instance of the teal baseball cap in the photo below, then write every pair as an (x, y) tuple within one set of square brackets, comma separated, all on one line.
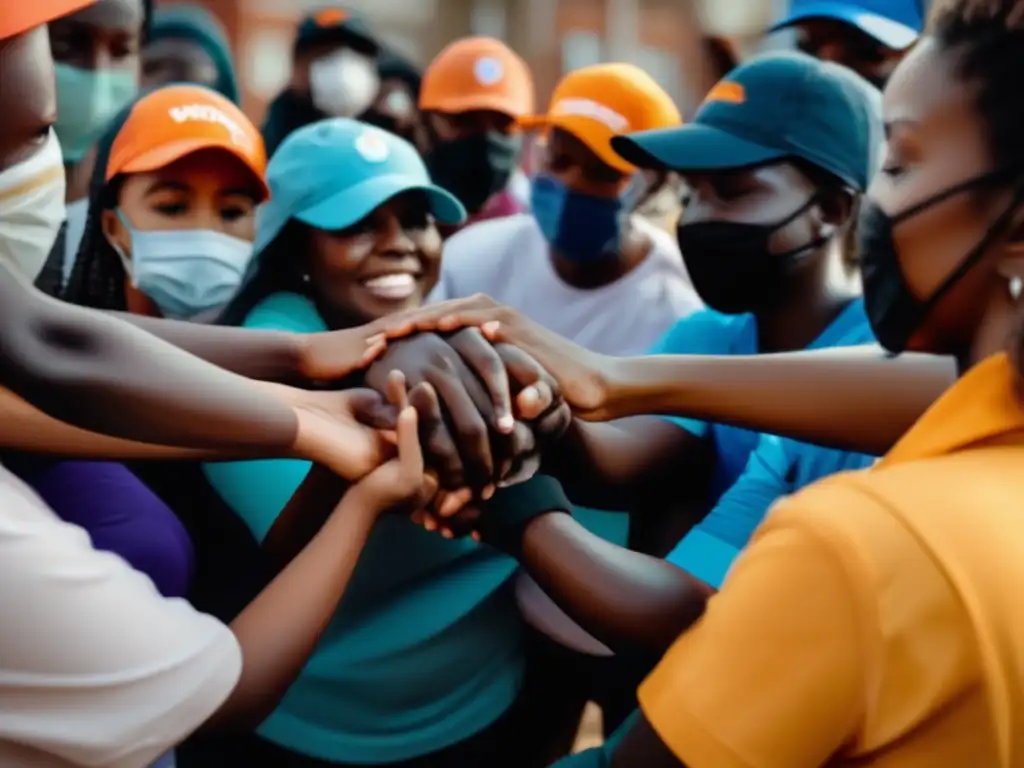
[(335, 172), (775, 107)]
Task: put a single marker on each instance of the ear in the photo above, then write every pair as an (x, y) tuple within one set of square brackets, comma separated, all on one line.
[(116, 232), (836, 207), (1011, 261)]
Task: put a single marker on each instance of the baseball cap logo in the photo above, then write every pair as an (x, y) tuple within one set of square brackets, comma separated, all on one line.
[(330, 17), (588, 108), (488, 70), (372, 147), (727, 92), (204, 113)]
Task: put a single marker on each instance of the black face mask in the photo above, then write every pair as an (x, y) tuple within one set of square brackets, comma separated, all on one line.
[(893, 310), (732, 266), (475, 167)]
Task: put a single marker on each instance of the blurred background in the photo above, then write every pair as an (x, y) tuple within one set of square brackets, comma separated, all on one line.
[(554, 36)]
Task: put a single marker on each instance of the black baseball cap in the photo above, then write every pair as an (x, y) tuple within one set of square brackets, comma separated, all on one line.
[(774, 107), (337, 25)]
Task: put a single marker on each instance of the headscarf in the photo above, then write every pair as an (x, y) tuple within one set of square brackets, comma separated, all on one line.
[(198, 25)]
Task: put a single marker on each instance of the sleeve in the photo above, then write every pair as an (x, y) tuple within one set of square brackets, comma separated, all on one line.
[(771, 675), (709, 549), (96, 668), (257, 491), (702, 333)]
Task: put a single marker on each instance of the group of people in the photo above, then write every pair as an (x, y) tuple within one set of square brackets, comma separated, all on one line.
[(355, 440)]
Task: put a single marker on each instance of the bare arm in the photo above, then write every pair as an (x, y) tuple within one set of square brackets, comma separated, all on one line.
[(629, 601), (96, 372), (625, 464), (855, 399), (305, 514)]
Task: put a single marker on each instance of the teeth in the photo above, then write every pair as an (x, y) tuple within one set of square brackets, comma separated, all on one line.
[(397, 286)]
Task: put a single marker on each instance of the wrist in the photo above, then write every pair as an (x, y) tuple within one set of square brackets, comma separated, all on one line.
[(509, 513), (300, 355), (613, 386)]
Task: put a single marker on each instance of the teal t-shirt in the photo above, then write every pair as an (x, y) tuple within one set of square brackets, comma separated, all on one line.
[(426, 647)]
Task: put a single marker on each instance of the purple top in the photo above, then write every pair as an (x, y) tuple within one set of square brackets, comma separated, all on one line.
[(121, 514)]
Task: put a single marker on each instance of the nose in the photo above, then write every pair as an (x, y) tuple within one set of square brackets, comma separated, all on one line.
[(394, 239)]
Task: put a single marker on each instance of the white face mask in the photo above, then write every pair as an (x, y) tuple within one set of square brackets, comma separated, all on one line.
[(187, 272), (32, 209), (343, 83)]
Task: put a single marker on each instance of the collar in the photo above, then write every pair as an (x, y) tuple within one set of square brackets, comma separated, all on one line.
[(982, 405)]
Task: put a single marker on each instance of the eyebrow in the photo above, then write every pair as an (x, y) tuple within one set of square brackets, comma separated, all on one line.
[(240, 191), (163, 185)]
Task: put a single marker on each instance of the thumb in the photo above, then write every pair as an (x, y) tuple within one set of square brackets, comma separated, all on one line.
[(371, 410)]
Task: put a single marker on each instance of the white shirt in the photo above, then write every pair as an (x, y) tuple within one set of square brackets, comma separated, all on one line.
[(509, 260), (96, 667)]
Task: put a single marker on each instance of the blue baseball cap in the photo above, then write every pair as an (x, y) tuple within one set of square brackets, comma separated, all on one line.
[(775, 107), (895, 24), (335, 172)]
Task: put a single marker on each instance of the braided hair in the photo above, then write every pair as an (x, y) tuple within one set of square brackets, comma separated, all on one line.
[(987, 37)]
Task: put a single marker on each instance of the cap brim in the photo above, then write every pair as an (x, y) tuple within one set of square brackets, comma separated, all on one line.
[(692, 147), (162, 156), (598, 138), (21, 17), (891, 34), (349, 206), (472, 103)]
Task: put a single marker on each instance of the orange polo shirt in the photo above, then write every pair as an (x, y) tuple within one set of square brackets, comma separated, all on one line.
[(877, 618)]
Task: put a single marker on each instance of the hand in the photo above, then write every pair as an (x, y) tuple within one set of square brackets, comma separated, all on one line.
[(342, 430), (468, 376), (401, 484), (583, 377)]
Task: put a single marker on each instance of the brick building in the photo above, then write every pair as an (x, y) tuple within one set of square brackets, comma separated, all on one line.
[(553, 35)]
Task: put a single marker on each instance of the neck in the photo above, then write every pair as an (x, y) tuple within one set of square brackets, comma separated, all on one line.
[(995, 330)]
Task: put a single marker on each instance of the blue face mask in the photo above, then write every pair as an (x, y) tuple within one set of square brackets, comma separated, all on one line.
[(87, 100), (580, 227)]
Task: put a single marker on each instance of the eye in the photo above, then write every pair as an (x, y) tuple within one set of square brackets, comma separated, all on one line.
[(361, 227), (418, 218), (231, 212), (171, 209)]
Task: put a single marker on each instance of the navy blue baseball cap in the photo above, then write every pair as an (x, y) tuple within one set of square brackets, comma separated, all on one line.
[(778, 106), (895, 24), (335, 172)]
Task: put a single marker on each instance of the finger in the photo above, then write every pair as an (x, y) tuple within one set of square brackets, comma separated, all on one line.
[(410, 456), (522, 369), (483, 359), (453, 502), (441, 451), (472, 436), (396, 389), (375, 346), (554, 423), (426, 318), (370, 409), (534, 401)]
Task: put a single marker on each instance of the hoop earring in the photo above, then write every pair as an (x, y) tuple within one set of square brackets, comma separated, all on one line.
[(1016, 287)]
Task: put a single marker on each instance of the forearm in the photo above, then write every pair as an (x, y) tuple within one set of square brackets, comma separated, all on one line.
[(98, 373), (627, 600), (307, 511), (261, 355), (279, 630), (28, 429), (854, 399)]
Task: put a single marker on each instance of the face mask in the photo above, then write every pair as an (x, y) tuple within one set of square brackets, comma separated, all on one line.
[(343, 83), (185, 272), (475, 167), (32, 209), (580, 227), (893, 310), (86, 101), (732, 266)]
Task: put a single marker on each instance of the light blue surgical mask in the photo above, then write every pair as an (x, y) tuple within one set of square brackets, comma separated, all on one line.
[(87, 100), (185, 272), (580, 227)]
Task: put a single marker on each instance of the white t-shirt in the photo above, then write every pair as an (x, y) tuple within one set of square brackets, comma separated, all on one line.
[(508, 259), (96, 667)]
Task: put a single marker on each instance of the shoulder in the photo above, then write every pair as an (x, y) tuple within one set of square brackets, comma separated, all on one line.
[(703, 332), (285, 312)]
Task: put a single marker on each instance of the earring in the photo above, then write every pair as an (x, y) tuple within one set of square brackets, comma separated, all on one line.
[(1016, 287), (305, 277)]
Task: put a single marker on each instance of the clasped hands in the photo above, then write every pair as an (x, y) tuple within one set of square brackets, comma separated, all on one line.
[(490, 388)]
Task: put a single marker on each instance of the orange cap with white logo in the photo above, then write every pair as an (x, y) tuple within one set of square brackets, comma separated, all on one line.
[(478, 73), (17, 16), (599, 102), (177, 120)]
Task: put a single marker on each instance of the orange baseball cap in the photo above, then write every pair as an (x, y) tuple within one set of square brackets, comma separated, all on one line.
[(478, 73), (18, 17), (177, 120), (600, 102)]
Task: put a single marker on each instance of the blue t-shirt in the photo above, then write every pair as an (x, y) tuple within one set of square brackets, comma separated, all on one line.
[(426, 647), (751, 470)]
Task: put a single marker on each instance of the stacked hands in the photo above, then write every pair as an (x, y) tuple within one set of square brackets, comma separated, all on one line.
[(483, 389)]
